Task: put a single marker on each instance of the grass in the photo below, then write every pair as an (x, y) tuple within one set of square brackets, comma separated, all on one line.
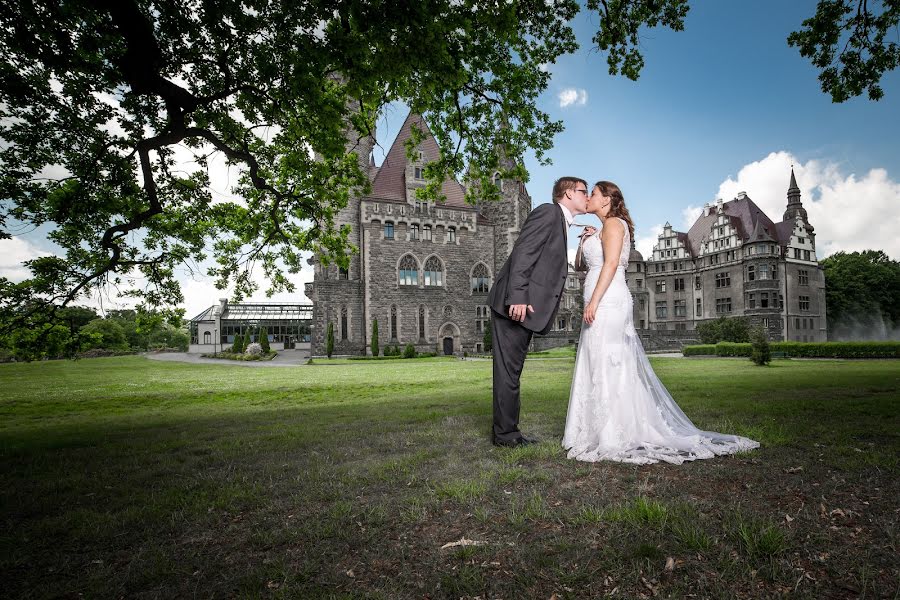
[(129, 477)]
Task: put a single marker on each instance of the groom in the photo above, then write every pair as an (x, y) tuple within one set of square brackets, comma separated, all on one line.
[(525, 297)]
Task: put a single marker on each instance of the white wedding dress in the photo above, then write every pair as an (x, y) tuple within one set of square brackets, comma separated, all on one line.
[(618, 409)]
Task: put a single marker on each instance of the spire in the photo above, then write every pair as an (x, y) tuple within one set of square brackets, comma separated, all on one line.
[(793, 185), (795, 206)]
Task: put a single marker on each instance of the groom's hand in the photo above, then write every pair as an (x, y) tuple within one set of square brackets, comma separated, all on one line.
[(517, 311)]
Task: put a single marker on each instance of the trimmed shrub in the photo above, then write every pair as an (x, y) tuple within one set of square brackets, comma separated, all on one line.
[(238, 345), (699, 350), (760, 353), (801, 349), (724, 329), (733, 349), (410, 351), (264, 339)]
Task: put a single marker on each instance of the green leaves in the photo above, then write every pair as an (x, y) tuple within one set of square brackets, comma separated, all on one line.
[(848, 41)]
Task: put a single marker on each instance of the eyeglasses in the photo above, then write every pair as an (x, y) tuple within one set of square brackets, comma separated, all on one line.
[(584, 191)]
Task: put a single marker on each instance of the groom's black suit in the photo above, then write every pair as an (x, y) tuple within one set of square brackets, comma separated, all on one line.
[(535, 274)]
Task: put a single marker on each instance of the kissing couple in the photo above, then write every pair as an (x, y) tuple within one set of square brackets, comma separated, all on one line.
[(619, 410)]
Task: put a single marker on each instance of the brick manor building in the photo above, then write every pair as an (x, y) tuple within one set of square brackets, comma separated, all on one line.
[(734, 261)]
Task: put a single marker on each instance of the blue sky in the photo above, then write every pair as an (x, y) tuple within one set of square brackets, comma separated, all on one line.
[(722, 107), (724, 93)]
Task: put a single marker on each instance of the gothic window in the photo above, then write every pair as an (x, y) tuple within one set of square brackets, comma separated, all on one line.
[(480, 279), (723, 280), (413, 232), (207, 337), (763, 271), (426, 233), (393, 322), (422, 322), (803, 277), (434, 272), (388, 230), (723, 305), (681, 308), (451, 235), (804, 302), (409, 271), (498, 181), (344, 323)]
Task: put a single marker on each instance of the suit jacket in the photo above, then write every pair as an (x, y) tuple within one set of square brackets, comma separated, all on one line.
[(536, 270)]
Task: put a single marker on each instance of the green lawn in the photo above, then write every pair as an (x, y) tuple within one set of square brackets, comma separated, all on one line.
[(126, 477)]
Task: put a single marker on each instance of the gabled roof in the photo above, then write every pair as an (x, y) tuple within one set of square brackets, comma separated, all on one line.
[(390, 181), (743, 213), (785, 229)]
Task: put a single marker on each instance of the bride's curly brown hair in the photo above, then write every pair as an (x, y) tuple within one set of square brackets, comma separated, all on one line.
[(617, 206)]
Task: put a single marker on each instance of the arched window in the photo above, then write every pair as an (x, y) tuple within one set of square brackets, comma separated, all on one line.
[(413, 232), (207, 337), (394, 322), (451, 235), (498, 181), (409, 271), (422, 322), (434, 272), (344, 323), (480, 279)]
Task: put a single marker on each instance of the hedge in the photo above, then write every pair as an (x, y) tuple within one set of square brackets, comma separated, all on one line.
[(803, 349), (699, 350)]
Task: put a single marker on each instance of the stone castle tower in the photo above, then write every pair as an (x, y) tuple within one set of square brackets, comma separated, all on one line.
[(423, 269)]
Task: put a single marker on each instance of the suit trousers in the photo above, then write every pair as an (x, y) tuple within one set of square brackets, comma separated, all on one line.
[(510, 345)]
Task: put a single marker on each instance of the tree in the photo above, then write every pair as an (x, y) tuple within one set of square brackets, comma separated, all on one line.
[(488, 338), (106, 334), (862, 295), (374, 347), (264, 339), (329, 340), (111, 110), (760, 352), (237, 347), (724, 329), (845, 40)]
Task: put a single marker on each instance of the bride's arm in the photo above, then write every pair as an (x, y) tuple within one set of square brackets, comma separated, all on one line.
[(612, 239)]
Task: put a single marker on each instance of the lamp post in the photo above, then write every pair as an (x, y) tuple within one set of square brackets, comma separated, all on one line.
[(215, 342)]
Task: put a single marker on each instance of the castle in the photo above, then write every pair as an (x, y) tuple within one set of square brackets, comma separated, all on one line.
[(423, 269)]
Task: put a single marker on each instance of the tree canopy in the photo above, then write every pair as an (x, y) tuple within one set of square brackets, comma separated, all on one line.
[(862, 295), (99, 97)]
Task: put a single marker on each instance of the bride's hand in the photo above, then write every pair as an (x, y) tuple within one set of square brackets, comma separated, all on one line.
[(589, 311), (588, 231)]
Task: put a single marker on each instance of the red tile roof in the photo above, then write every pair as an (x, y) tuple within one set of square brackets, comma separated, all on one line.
[(390, 181)]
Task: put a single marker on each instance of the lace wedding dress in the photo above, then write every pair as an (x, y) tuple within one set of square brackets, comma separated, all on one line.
[(618, 409)]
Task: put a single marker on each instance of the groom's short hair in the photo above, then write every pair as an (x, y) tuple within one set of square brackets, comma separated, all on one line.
[(564, 184)]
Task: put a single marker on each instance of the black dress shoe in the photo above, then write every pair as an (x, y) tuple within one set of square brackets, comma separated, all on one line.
[(515, 443)]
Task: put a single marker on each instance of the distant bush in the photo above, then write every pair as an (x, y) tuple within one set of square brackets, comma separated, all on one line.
[(699, 350), (760, 353), (724, 329), (410, 351), (803, 349), (254, 349)]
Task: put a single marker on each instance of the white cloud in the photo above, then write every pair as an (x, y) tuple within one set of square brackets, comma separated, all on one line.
[(13, 252), (849, 212), (570, 96), (645, 239), (689, 216)]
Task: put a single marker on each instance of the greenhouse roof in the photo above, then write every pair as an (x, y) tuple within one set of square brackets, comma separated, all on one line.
[(258, 311)]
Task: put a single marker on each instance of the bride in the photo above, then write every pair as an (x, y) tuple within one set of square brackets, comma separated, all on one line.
[(618, 409)]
